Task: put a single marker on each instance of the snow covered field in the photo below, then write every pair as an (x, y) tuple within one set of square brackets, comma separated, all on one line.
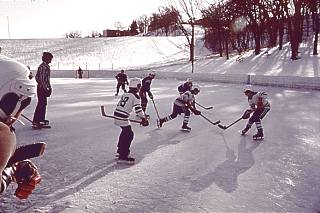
[(206, 170)]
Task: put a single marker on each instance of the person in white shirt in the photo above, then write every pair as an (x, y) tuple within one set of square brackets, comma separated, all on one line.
[(129, 101), (183, 104), (260, 106)]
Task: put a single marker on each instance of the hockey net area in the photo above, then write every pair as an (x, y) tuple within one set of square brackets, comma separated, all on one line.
[(83, 74)]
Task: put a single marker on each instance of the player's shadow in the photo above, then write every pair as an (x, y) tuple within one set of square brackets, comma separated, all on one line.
[(146, 147), (226, 174)]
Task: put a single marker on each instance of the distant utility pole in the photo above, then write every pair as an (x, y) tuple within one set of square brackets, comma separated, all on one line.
[(8, 27)]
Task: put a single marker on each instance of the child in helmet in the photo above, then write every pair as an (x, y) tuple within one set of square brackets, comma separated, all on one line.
[(16, 90), (260, 106), (185, 86), (145, 88), (183, 104), (128, 101)]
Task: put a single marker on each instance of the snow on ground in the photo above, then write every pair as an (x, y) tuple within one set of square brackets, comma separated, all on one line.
[(140, 52), (206, 170)]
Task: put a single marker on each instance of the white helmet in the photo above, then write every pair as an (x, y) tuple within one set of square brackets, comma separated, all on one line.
[(248, 87), (16, 89), (135, 83), (152, 73), (189, 80), (196, 88)]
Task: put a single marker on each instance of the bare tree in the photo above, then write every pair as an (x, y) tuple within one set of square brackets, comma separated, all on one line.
[(73, 34), (188, 9)]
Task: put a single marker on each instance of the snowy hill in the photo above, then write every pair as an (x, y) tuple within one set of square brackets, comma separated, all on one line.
[(141, 52)]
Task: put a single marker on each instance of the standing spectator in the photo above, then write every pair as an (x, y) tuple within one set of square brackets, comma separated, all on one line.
[(146, 84), (122, 81), (16, 90), (80, 72), (44, 91)]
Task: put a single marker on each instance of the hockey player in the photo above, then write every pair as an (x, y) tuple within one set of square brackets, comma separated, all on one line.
[(146, 84), (185, 86), (260, 106), (183, 104), (16, 90), (122, 81), (128, 101)]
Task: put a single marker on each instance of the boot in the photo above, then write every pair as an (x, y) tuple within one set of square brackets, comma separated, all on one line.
[(259, 135), (161, 121), (245, 130), (125, 160), (186, 127)]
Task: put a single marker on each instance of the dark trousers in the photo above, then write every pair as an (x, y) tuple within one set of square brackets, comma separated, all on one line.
[(144, 100), (125, 139), (177, 110), (122, 85), (40, 111)]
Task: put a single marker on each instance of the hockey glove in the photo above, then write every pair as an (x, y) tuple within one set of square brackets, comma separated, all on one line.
[(246, 114), (27, 177), (150, 95), (144, 122), (195, 111)]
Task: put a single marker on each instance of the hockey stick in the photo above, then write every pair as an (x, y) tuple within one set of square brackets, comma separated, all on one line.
[(28, 119), (226, 127), (206, 108), (155, 108), (213, 123), (26, 152), (111, 116)]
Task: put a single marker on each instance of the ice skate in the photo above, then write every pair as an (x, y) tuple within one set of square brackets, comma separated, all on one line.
[(41, 125), (125, 160), (185, 127), (245, 130), (161, 121), (258, 136)]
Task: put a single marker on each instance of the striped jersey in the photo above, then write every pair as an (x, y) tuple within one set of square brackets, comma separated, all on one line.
[(253, 102), (184, 99), (43, 76), (126, 104)]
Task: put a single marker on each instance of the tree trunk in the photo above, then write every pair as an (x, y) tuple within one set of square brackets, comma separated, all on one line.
[(315, 43), (281, 33)]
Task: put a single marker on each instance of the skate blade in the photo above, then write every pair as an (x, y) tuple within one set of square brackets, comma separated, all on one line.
[(124, 162), (185, 130), (258, 139)]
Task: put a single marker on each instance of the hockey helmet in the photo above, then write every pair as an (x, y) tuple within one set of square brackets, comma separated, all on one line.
[(152, 74), (16, 89), (196, 88), (189, 80), (248, 88), (135, 83)]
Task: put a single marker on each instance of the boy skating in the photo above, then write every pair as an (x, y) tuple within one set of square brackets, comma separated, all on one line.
[(183, 104), (128, 101), (186, 86), (260, 106)]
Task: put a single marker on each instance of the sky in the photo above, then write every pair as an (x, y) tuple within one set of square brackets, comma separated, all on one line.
[(54, 18)]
